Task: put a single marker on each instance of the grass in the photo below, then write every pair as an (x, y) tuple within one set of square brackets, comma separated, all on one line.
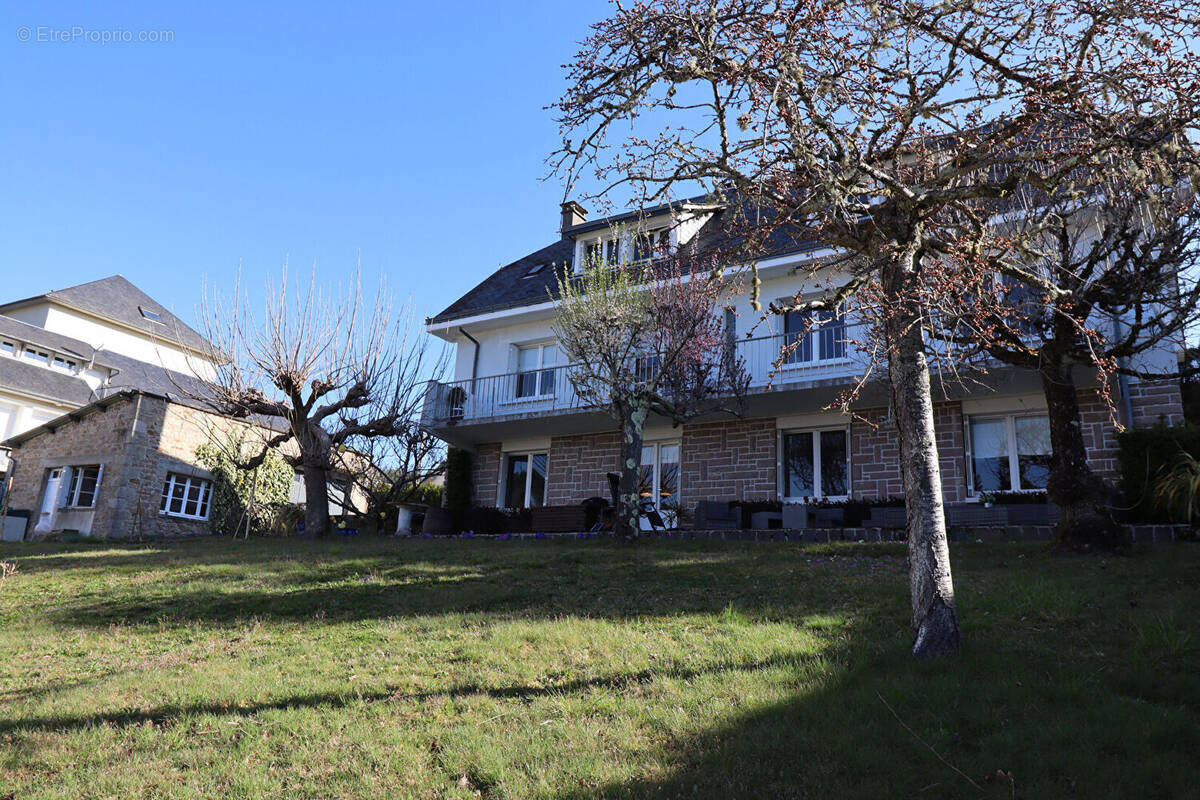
[(545, 669)]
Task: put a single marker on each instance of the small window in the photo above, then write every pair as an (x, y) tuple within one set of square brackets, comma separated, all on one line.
[(535, 370), (185, 496), (816, 463), (535, 270), (1009, 454), (650, 244), (153, 316), (8, 347), (39, 356), (85, 481), (64, 364), (816, 336)]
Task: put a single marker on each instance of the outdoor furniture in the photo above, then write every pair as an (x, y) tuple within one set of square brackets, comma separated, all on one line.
[(766, 520), (559, 519), (712, 515), (1032, 513), (646, 508), (828, 518), (795, 516), (962, 514), (886, 517)]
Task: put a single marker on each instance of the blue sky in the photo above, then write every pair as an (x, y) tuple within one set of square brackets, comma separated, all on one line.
[(414, 133)]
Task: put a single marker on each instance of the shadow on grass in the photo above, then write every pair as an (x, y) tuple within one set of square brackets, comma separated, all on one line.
[(168, 714), (386, 580)]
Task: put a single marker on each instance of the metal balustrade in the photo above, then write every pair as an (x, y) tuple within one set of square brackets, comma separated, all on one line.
[(550, 391)]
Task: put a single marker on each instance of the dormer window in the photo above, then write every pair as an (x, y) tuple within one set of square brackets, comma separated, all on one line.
[(153, 316), (64, 364), (650, 244), (40, 356), (603, 249)]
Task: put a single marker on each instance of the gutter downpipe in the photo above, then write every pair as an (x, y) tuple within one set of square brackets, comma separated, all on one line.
[(1122, 378), (474, 358)]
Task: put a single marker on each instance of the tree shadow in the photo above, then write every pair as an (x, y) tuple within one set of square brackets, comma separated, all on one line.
[(168, 714), (533, 579)]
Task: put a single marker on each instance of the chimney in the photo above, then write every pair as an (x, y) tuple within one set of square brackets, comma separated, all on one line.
[(572, 214)]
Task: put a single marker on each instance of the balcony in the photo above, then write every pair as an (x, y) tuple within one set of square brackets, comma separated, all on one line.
[(549, 392)]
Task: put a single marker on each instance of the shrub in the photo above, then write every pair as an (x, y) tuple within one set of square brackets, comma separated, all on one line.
[(426, 494), (458, 480), (1146, 453), (1177, 489), (270, 484)]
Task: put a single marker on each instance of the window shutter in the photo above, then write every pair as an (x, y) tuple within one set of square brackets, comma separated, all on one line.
[(64, 487)]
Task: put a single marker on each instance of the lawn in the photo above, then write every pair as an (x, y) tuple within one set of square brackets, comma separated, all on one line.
[(543, 669)]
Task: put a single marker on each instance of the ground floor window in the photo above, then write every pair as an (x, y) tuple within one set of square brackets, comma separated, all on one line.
[(1009, 453), (658, 478), (185, 496), (525, 480), (81, 492), (816, 463)]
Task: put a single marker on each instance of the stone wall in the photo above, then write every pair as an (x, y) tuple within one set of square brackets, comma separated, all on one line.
[(875, 453), (729, 460), (1156, 401), (485, 474), (579, 466), (138, 441), (98, 438)]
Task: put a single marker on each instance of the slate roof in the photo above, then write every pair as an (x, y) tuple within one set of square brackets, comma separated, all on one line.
[(512, 286), (37, 380), (24, 332), (117, 299)]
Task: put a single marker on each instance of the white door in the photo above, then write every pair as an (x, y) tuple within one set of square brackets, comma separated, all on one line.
[(45, 522)]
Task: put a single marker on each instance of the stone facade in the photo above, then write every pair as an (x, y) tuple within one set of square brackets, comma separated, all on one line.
[(1156, 402), (579, 467), (138, 441), (727, 460), (738, 459), (485, 474)]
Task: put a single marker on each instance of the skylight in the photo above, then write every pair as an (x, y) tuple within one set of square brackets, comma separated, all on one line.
[(534, 270), (153, 316)]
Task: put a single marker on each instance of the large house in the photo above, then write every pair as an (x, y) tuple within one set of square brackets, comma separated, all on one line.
[(534, 444)]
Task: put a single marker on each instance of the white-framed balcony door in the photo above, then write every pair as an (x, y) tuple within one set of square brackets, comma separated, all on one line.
[(658, 480)]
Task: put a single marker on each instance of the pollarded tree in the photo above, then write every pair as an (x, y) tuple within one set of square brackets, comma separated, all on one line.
[(878, 128), (322, 372), (645, 339), (1101, 279)]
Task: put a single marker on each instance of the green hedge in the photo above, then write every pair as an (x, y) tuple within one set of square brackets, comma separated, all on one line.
[(1143, 452)]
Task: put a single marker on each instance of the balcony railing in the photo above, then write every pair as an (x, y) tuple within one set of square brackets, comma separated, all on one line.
[(550, 390)]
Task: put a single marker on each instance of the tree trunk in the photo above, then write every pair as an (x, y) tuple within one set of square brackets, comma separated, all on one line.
[(628, 510), (316, 500), (934, 616), (1086, 522)]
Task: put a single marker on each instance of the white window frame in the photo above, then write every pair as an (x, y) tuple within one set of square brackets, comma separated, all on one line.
[(1010, 439), (656, 473), (203, 504), (817, 492), (660, 240), (42, 357), (814, 337), (75, 485), (541, 367), (528, 454), (9, 347), (63, 364)]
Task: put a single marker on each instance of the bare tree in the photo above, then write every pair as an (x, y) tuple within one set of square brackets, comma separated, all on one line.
[(876, 128), (391, 470), (645, 339), (323, 371), (1101, 279)]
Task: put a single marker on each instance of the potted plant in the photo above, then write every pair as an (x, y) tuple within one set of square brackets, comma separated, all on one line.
[(987, 498)]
